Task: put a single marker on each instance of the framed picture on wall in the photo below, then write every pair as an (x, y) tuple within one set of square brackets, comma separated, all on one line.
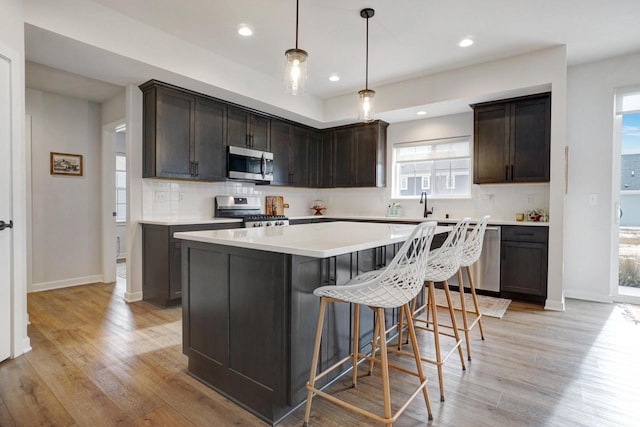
[(66, 164)]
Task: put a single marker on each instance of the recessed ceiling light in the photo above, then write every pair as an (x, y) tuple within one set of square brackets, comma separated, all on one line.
[(243, 30), (421, 113), (334, 77), (466, 42)]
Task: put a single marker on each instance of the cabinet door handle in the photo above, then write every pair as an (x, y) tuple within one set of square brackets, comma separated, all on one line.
[(191, 168), (506, 172), (512, 172), (197, 168), (251, 141)]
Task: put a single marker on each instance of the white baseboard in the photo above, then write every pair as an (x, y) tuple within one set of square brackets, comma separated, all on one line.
[(26, 345), (587, 296), (554, 305), (132, 296), (57, 284)]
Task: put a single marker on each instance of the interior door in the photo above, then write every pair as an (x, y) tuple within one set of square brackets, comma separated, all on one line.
[(5, 208)]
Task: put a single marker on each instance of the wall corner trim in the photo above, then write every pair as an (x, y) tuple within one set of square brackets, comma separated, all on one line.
[(132, 297)]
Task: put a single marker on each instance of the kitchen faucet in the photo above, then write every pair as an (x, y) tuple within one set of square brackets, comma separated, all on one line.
[(423, 199)]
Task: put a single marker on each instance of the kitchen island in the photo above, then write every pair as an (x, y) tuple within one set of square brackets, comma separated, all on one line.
[(249, 312)]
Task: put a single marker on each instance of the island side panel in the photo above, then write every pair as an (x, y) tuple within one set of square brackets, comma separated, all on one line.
[(235, 323)]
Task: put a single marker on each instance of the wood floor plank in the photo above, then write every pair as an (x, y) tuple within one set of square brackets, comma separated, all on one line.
[(163, 417), (28, 399), (97, 360), (6, 420)]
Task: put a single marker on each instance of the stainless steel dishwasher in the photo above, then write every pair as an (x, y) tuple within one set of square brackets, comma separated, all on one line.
[(486, 271)]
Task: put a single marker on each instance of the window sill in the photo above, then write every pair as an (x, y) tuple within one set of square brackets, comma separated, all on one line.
[(465, 197)]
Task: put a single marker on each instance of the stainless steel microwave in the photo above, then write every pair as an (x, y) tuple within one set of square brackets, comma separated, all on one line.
[(249, 165)]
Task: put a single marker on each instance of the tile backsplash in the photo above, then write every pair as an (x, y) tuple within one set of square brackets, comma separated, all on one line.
[(194, 200)]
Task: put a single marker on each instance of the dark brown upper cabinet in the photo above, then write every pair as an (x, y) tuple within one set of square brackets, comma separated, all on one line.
[(512, 140), (320, 159), (183, 135), (290, 147), (359, 154), (247, 129), (186, 133)]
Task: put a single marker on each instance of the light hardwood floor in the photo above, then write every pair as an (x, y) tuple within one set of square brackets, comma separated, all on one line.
[(97, 361)]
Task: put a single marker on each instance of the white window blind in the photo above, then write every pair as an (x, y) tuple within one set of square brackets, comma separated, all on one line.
[(628, 100)]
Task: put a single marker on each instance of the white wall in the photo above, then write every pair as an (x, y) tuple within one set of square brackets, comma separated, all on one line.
[(113, 109), (591, 264), (12, 44), (67, 227)]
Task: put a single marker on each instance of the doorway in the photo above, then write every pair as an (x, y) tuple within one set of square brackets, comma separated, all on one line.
[(628, 133), (114, 190)]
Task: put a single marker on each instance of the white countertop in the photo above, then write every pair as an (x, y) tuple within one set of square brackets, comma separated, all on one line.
[(400, 219), (319, 240), (191, 221)]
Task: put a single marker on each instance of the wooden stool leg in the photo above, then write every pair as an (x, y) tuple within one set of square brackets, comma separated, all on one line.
[(356, 344), (413, 303), (452, 314), (374, 344), (314, 361), (465, 322), (384, 364), (475, 301), (416, 355), (436, 336)]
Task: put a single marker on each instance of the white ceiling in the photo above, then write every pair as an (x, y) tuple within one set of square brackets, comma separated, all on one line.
[(408, 38)]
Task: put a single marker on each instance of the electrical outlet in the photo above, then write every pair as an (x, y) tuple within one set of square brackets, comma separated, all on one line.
[(160, 196), (530, 199), (180, 196), (593, 199)]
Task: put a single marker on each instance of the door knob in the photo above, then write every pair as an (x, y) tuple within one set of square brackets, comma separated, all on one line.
[(4, 225)]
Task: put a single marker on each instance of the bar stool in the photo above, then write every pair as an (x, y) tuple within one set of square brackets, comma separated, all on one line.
[(393, 287), (470, 253), (442, 264)]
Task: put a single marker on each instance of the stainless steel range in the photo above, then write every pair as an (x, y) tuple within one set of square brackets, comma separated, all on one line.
[(248, 208)]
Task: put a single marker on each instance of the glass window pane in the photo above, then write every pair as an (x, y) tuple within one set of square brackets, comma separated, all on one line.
[(121, 163), (121, 212), (435, 167), (121, 179)]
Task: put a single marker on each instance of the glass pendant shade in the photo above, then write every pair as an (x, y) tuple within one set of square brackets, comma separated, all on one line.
[(366, 105), (295, 74)]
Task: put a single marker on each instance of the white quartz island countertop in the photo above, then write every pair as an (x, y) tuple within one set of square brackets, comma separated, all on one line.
[(321, 240)]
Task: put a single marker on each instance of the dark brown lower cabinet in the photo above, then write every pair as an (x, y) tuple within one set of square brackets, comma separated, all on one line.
[(249, 318), (162, 260), (524, 262)]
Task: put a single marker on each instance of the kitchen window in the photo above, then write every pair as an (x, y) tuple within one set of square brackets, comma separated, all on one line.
[(439, 167)]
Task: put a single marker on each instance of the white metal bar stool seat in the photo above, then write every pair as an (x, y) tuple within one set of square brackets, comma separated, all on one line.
[(442, 264), (471, 251), (394, 286)]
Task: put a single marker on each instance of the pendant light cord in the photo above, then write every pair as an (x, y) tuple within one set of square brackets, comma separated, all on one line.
[(366, 73), (297, 24)]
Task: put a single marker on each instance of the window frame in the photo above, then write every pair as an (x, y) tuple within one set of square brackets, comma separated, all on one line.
[(451, 184)]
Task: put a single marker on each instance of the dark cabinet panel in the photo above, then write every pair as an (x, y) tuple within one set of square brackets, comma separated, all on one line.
[(299, 158), (281, 141), (162, 260), (183, 135), (320, 159), (209, 151), (290, 147), (524, 261), (246, 129), (172, 123), (530, 127), (491, 144), (360, 155), (512, 140)]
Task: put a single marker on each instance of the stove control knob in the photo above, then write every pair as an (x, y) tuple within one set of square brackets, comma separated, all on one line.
[(255, 224), (268, 224)]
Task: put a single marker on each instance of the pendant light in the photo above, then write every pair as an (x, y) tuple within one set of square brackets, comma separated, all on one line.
[(366, 106), (295, 66)]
